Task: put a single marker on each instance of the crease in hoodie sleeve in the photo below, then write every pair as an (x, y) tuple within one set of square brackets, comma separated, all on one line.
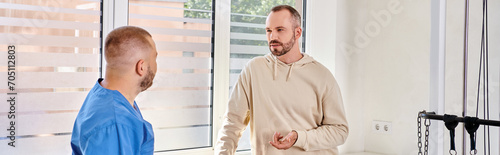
[(334, 129), (235, 120)]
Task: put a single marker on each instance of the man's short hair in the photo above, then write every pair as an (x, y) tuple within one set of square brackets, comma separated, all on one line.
[(124, 42), (295, 14)]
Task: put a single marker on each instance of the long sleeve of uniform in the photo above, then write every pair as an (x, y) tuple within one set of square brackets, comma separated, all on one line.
[(107, 124), (235, 119), (113, 139), (334, 129)]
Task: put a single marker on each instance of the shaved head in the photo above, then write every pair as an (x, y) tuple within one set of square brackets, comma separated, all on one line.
[(124, 46), (294, 13), (131, 54)]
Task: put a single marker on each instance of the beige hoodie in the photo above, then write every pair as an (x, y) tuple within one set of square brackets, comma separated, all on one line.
[(276, 97)]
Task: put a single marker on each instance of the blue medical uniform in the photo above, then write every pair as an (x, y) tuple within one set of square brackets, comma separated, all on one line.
[(107, 124)]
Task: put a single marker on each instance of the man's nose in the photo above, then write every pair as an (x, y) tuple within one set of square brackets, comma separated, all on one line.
[(273, 36)]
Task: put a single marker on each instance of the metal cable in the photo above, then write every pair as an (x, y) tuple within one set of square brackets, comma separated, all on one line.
[(466, 31), (487, 73)]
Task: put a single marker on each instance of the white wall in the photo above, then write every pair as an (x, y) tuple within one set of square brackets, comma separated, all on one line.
[(381, 62), (321, 31), (383, 59)]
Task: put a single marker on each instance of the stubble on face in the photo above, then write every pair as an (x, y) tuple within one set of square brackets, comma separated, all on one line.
[(286, 47), (147, 81)]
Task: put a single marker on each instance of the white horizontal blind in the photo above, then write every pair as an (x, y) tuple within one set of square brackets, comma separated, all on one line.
[(57, 59), (248, 40), (178, 105)]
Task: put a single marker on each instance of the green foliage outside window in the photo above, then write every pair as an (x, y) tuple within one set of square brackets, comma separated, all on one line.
[(240, 9)]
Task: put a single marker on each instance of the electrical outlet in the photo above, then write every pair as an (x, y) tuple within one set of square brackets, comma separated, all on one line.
[(381, 127)]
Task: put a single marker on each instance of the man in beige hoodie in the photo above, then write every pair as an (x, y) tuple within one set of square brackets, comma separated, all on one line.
[(285, 91)]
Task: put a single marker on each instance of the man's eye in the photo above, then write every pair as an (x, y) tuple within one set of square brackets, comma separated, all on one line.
[(268, 30), (280, 29)]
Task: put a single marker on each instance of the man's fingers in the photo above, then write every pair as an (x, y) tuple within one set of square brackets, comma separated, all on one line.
[(282, 145), (281, 142), (272, 143), (276, 137), (276, 145)]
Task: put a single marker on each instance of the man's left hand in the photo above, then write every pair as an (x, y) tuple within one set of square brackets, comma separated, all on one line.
[(283, 143)]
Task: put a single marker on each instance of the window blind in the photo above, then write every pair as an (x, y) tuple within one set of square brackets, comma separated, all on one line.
[(178, 105), (56, 46)]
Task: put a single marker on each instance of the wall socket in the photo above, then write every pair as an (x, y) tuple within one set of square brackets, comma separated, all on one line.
[(381, 127)]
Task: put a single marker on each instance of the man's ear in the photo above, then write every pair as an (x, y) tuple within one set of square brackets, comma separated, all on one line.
[(298, 32), (140, 67)]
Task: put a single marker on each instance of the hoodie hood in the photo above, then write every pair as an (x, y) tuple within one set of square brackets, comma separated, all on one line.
[(275, 62)]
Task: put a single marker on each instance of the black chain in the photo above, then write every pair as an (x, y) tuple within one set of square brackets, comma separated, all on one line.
[(419, 126), (426, 145), (427, 123)]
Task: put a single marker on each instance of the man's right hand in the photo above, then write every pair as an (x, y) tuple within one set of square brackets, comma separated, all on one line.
[(284, 143)]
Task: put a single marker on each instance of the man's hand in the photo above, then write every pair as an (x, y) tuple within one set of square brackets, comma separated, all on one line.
[(283, 143)]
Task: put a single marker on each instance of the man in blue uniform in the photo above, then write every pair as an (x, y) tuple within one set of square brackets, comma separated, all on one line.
[(110, 121)]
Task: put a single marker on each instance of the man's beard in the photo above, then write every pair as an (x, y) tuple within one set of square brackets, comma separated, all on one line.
[(148, 80), (286, 47)]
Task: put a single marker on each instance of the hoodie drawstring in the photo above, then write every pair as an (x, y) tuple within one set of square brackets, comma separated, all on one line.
[(276, 70), (275, 65), (289, 72)]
